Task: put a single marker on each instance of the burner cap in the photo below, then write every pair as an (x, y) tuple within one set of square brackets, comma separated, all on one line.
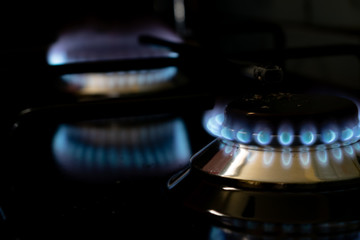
[(280, 106)]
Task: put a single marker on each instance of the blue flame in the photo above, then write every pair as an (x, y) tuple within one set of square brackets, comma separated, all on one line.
[(357, 131), (262, 134), (227, 133), (220, 118), (286, 138), (264, 137), (307, 137), (329, 136), (214, 124), (346, 134), (308, 134), (285, 135), (329, 133), (243, 136)]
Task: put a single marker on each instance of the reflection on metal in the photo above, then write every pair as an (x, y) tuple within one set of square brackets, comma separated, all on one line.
[(122, 148), (270, 231), (2, 214), (180, 16), (301, 165), (179, 11), (125, 82)]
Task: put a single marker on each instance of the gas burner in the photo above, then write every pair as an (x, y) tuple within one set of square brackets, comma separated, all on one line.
[(284, 138), (271, 151), (120, 44)]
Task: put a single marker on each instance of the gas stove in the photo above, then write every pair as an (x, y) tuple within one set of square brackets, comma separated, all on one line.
[(146, 128)]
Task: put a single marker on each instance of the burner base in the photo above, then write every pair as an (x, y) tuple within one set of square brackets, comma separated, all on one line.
[(231, 204)]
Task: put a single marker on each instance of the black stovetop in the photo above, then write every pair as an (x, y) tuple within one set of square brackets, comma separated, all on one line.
[(47, 196), (59, 179)]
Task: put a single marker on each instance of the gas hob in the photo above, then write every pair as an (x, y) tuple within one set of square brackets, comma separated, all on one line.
[(155, 136)]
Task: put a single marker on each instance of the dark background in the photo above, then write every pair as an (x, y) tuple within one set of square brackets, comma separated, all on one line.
[(30, 26), (229, 28)]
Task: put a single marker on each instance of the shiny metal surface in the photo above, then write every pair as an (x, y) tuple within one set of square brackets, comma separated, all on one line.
[(233, 202), (302, 165)]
